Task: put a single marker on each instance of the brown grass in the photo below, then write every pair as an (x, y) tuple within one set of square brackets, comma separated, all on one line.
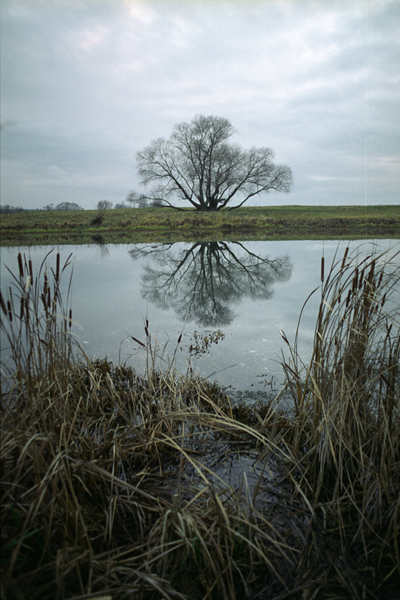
[(346, 448), (122, 485)]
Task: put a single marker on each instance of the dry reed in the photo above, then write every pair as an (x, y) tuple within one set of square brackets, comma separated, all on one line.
[(155, 487), (345, 451)]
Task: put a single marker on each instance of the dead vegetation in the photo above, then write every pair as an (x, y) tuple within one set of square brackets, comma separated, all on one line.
[(153, 486)]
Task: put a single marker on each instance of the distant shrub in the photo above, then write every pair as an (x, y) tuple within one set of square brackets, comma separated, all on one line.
[(97, 220)]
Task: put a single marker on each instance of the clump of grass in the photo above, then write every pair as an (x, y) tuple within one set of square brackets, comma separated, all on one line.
[(345, 453)]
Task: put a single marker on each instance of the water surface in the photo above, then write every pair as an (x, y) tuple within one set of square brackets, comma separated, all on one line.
[(250, 291)]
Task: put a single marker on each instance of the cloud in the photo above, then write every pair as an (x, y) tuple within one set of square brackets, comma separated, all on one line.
[(90, 39), (87, 84)]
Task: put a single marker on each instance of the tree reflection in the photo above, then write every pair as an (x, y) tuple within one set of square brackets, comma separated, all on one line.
[(201, 283)]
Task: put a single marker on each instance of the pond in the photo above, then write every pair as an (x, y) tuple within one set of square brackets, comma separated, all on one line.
[(241, 295)]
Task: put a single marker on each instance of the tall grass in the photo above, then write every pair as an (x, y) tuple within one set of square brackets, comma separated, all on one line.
[(346, 447), (36, 326), (119, 485)]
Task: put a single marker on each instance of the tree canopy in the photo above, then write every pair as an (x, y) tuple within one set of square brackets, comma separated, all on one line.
[(197, 164)]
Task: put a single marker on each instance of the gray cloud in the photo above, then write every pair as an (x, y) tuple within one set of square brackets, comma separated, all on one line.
[(87, 84)]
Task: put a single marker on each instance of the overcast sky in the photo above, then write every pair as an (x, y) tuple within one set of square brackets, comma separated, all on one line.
[(86, 84)]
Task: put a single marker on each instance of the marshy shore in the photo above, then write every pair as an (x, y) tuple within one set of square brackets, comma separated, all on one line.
[(122, 485)]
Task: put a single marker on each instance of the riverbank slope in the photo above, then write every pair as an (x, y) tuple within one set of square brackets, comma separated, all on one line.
[(166, 224)]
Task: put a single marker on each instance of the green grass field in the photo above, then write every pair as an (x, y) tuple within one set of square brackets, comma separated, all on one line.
[(146, 224)]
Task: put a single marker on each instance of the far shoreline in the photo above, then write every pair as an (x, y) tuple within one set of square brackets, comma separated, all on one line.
[(150, 225)]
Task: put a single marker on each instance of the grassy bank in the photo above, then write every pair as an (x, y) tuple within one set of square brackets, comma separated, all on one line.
[(118, 485), (149, 224)]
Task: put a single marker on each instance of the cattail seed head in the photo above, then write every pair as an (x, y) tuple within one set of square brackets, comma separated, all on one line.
[(57, 267), (20, 265), (31, 270), (3, 304), (10, 315)]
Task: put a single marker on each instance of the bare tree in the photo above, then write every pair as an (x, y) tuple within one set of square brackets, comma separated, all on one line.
[(104, 205), (68, 206), (198, 165)]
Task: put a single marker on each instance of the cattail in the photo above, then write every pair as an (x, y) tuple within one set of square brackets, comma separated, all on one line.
[(322, 268), (348, 298), (10, 316), (31, 270), (345, 256), (27, 311), (371, 272), (284, 336), (57, 267), (3, 304), (45, 287), (70, 318), (20, 265), (355, 280)]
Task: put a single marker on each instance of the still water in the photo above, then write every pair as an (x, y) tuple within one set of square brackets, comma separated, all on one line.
[(250, 291)]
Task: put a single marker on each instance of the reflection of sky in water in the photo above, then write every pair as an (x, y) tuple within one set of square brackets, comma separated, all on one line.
[(108, 307)]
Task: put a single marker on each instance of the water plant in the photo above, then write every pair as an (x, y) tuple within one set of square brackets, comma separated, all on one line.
[(345, 451), (36, 325), (153, 485)]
